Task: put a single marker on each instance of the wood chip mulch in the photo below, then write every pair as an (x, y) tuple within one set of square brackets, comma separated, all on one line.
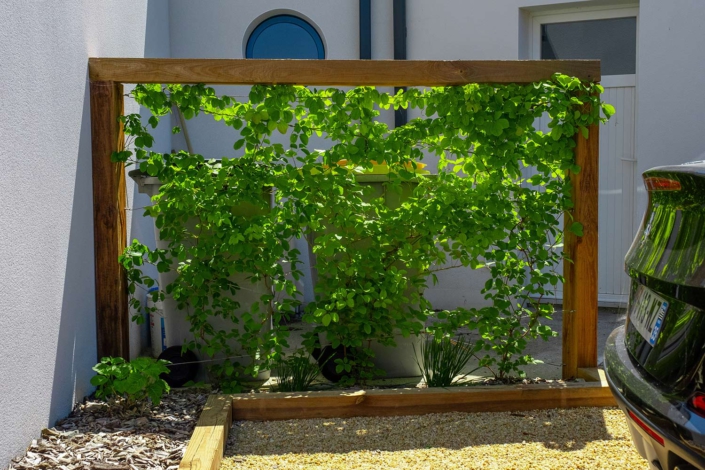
[(96, 436)]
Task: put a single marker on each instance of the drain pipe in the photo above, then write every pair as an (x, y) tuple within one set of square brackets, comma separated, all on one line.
[(365, 29), (184, 129), (400, 115)]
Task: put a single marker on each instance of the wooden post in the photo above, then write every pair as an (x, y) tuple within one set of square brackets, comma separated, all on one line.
[(580, 270), (109, 224)]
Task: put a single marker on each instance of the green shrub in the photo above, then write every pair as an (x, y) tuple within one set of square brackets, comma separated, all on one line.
[(135, 381), (373, 259)]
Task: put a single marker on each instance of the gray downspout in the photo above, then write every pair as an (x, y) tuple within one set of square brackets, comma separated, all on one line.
[(365, 29), (400, 116)]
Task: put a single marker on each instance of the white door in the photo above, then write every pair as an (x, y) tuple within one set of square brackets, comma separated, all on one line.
[(611, 37)]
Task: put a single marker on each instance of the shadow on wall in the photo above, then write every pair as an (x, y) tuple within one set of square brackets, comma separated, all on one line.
[(156, 44), (76, 346)]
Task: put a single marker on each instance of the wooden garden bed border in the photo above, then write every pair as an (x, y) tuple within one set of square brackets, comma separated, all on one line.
[(207, 444), (109, 220)]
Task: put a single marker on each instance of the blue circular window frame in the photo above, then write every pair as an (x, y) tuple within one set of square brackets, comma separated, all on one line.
[(285, 19)]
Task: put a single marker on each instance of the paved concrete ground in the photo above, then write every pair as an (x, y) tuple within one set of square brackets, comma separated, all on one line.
[(550, 352)]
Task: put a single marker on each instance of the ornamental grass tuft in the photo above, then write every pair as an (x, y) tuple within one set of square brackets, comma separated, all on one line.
[(296, 374), (443, 360)]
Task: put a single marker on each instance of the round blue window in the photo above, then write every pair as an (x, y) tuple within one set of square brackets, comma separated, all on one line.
[(284, 37)]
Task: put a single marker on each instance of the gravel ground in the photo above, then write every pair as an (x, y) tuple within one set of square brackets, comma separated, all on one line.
[(583, 438), (98, 437)]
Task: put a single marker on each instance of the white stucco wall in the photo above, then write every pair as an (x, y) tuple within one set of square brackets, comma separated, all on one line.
[(670, 125), (219, 29), (474, 29), (47, 307)]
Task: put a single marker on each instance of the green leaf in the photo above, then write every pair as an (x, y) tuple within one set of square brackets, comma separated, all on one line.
[(584, 131), (577, 228), (97, 380)]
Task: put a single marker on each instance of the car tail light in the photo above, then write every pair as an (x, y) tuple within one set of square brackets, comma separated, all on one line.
[(657, 183), (646, 428), (697, 404)]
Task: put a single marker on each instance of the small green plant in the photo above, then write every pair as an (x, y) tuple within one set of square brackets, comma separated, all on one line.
[(297, 373), (444, 359), (135, 381), (196, 385)]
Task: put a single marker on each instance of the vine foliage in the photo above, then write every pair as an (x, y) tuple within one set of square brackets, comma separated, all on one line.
[(494, 204)]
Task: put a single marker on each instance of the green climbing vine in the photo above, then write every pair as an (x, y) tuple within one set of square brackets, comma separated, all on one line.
[(378, 225)]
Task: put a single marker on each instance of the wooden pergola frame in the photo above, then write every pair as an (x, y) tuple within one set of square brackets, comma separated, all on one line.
[(107, 75)]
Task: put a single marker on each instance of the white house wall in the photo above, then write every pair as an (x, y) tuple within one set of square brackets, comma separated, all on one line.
[(219, 29), (670, 125), (47, 307)]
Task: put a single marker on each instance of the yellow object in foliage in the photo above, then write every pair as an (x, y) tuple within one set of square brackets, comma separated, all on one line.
[(384, 169)]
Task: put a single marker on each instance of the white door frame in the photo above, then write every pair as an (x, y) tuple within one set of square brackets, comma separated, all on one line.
[(586, 14)]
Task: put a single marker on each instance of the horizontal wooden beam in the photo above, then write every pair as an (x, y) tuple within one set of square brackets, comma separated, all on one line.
[(207, 443), (336, 72), (278, 406)]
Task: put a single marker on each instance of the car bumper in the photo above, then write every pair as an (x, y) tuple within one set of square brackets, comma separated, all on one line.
[(669, 418)]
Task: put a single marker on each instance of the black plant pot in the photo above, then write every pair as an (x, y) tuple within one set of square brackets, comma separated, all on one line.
[(326, 358), (183, 367)]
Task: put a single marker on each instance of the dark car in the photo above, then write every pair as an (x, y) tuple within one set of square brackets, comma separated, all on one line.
[(654, 364)]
